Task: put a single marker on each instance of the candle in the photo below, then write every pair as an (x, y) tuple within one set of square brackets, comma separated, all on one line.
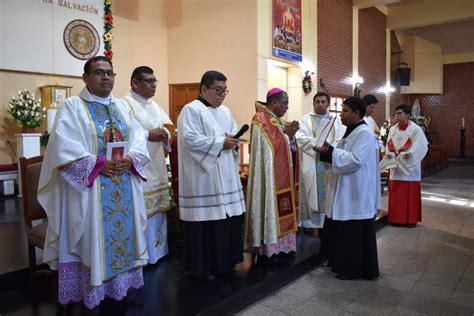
[(462, 123), (51, 115)]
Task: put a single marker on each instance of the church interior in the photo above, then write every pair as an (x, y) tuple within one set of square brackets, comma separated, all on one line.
[(416, 52)]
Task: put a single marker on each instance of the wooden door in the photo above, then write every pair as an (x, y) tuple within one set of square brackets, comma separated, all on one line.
[(180, 95)]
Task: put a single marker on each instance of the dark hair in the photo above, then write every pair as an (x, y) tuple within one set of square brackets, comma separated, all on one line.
[(370, 99), (88, 64), (405, 108), (210, 76), (356, 104), (322, 94), (277, 96), (139, 71)]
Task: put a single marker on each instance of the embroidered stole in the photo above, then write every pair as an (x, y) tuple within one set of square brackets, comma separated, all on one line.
[(285, 177), (115, 193)]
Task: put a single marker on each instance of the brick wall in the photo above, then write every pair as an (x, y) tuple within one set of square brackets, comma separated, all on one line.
[(372, 57), (447, 110), (335, 45)]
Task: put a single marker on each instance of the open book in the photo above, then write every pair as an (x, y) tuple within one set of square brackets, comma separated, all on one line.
[(326, 126)]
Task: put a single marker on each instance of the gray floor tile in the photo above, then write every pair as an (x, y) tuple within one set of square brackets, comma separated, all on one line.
[(418, 264), (400, 311), (446, 270), (310, 308), (284, 302), (468, 274), (319, 277), (301, 288), (421, 304), (385, 295), (440, 280), (355, 287), (333, 298), (433, 291), (404, 272), (465, 285), (395, 283), (450, 309), (364, 306), (261, 310), (462, 298)]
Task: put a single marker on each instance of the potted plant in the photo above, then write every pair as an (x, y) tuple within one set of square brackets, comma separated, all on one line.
[(26, 111)]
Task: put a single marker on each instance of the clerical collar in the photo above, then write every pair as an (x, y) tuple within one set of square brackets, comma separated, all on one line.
[(204, 101), (139, 97), (101, 100), (319, 115), (350, 128)]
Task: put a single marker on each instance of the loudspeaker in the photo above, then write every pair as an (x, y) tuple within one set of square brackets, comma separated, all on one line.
[(402, 76)]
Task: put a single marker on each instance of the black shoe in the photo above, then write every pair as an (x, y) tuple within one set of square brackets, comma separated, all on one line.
[(344, 277)]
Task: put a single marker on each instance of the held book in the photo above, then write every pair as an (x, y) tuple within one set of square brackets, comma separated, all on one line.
[(116, 150), (326, 127)]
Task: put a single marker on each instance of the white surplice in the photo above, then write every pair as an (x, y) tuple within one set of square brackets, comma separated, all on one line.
[(354, 182), (209, 181), (150, 115), (75, 227), (405, 165), (311, 215)]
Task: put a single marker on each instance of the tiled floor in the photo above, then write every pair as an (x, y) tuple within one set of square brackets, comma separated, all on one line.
[(424, 270)]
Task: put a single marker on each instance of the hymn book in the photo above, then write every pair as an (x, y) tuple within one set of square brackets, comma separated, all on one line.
[(326, 127)]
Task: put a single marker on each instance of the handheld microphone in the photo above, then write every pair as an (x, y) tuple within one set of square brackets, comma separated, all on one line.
[(241, 132)]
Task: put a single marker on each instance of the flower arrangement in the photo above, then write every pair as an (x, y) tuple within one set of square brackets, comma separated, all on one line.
[(307, 83), (108, 26), (25, 110)]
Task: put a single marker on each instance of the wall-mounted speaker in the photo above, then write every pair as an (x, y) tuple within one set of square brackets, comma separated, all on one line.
[(402, 76)]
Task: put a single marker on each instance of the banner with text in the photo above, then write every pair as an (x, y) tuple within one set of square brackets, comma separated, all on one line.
[(287, 37)]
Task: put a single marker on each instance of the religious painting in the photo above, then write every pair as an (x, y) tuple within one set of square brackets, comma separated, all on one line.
[(286, 29), (116, 150)]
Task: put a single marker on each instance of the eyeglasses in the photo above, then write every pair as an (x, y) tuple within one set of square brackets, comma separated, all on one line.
[(283, 103), (398, 113), (220, 91), (103, 73), (149, 81)]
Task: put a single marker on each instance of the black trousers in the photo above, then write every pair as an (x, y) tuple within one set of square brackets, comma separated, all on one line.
[(351, 247), (212, 246)]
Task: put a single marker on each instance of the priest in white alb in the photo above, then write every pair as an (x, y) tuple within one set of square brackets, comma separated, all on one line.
[(314, 173), (370, 102), (406, 147), (211, 200), (353, 197), (92, 195), (158, 132)]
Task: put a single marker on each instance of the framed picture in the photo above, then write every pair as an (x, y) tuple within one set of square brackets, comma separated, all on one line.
[(116, 150), (287, 35), (59, 95)]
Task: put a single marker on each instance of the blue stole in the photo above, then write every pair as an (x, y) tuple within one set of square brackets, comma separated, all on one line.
[(115, 193)]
